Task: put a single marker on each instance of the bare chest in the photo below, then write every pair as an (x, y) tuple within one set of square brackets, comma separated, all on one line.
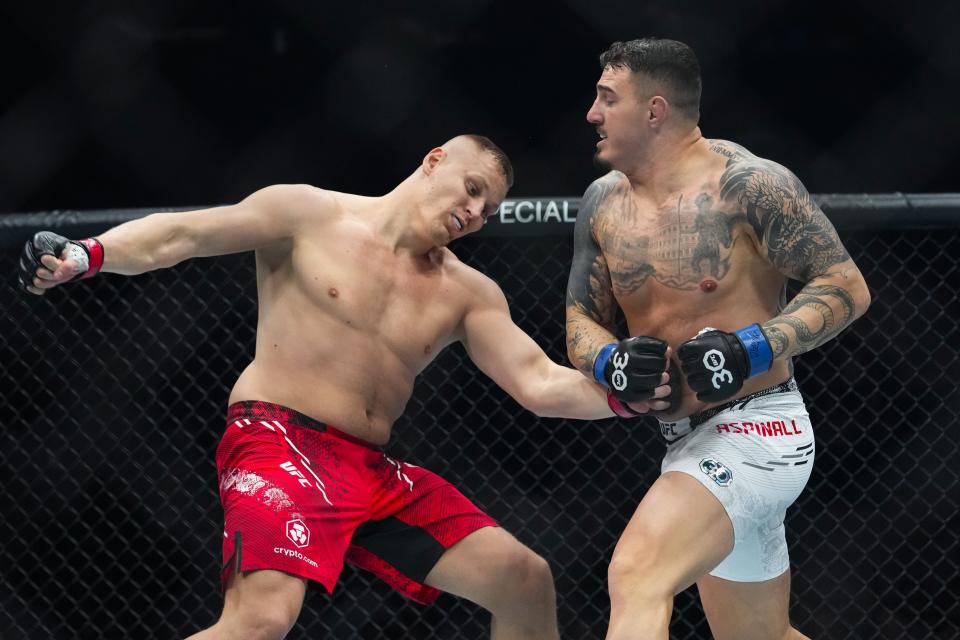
[(679, 242), (405, 303), (683, 254)]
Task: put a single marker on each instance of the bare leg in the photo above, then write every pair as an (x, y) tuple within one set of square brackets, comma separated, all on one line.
[(748, 610), (258, 605), (491, 568), (679, 532)]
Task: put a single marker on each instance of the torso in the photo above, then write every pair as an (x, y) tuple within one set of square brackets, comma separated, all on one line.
[(687, 261), (345, 324)]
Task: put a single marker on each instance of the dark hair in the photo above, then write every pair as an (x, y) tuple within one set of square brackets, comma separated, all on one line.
[(668, 61), (498, 154)]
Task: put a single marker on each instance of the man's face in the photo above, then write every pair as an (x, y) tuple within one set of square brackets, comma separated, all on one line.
[(466, 188), (620, 115)]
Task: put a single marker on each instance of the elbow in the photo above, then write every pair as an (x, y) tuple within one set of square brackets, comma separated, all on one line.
[(536, 404), (861, 298)]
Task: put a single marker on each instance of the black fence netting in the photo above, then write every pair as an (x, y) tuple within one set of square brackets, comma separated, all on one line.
[(112, 402)]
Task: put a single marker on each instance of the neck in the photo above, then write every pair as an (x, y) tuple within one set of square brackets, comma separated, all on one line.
[(661, 164), (397, 217)]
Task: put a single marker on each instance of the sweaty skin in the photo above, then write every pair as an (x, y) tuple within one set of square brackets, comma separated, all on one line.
[(715, 251)]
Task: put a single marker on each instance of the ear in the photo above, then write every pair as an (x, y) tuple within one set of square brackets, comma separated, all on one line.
[(432, 159), (657, 110)]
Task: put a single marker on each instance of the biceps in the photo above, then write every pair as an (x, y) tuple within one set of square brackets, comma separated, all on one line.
[(589, 291), (803, 244)]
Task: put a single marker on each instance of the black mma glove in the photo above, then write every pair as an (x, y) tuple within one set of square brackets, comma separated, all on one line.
[(631, 369), (716, 363), (88, 253)]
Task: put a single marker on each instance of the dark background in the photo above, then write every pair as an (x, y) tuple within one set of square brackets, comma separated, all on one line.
[(109, 104), (112, 392)]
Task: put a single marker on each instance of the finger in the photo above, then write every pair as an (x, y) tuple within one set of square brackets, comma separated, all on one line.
[(34, 290), (685, 351), (646, 380), (663, 391), (50, 262), (44, 274), (659, 405), (45, 284)]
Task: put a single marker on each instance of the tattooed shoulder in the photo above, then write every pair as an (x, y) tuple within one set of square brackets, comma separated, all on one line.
[(799, 239), (730, 150)]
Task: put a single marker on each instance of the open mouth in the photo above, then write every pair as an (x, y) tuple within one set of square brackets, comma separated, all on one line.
[(457, 221)]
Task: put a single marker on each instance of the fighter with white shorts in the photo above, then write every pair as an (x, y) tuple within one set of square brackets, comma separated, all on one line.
[(755, 454)]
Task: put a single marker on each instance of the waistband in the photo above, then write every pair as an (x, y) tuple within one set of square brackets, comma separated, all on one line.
[(260, 410), (683, 426)]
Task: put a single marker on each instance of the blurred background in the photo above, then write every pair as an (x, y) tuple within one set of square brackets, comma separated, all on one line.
[(115, 104)]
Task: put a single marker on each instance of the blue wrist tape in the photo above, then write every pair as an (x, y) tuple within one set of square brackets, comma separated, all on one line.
[(601, 363), (757, 348)]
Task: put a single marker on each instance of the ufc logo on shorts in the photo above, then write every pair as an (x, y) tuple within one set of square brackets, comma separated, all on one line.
[(713, 360), (292, 470), (619, 378), (298, 533)]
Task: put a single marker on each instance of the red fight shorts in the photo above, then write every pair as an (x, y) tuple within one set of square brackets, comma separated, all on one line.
[(301, 497)]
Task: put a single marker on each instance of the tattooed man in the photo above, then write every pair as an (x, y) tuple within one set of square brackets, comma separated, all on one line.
[(694, 240)]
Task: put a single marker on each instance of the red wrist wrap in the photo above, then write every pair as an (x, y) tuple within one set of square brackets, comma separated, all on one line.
[(95, 249), (620, 408)]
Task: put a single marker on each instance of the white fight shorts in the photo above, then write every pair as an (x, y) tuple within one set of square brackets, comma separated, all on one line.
[(755, 454)]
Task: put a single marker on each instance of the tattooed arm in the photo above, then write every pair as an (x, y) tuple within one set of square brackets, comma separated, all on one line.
[(591, 311), (802, 244)]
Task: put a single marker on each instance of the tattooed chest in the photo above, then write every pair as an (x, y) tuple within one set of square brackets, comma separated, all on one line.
[(680, 245)]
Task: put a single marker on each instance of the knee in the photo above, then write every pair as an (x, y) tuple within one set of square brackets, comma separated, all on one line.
[(257, 624), (529, 573), (634, 570)]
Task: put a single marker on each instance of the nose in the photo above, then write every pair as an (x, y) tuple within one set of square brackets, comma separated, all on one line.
[(593, 114), (474, 208)]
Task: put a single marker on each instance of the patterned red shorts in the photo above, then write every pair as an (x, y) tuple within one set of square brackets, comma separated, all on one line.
[(301, 497)]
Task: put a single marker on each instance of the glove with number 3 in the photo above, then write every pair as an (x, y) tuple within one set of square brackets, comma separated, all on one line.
[(716, 363), (631, 370)]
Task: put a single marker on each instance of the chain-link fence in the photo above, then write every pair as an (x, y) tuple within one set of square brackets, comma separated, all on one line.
[(112, 401)]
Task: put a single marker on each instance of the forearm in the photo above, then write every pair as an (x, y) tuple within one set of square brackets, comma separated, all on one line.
[(153, 242), (585, 338), (822, 309), (564, 393)]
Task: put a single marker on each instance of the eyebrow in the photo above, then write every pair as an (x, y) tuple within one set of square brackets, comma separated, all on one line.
[(603, 87)]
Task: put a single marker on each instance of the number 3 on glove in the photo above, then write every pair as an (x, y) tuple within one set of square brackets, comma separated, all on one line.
[(715, 363)]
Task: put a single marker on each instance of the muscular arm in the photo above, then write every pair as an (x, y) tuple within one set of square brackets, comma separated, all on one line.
[(266, 217), (802, 244), (519, 366), (591, 308)]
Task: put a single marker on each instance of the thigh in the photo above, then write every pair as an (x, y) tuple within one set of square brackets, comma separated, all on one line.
[(746, 610), (680, 531)]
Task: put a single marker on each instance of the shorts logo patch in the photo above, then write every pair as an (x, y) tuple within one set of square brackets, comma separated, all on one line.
[(298, 533), (716, 470)]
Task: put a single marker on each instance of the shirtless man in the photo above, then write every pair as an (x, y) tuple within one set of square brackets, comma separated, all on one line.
[(356, 296), (685, 234)]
